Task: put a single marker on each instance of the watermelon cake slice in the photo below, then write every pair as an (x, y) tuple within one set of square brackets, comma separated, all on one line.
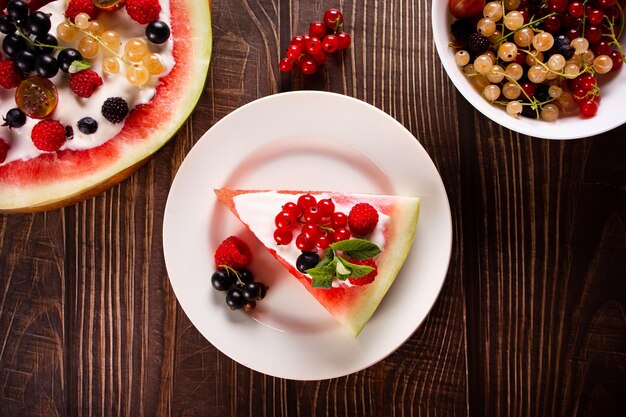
[(382, 221), (46, 180)]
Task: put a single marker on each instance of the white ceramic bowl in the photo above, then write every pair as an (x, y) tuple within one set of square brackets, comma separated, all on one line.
[(611, 113)]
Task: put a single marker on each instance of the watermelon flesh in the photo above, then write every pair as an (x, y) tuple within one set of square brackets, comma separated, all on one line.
[(55, 179), (350, 305)]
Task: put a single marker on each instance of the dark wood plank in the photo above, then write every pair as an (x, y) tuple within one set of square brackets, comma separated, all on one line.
[(32, 315)]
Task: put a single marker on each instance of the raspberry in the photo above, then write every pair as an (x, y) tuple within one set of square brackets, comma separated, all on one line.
[(4, 149), (143, 11), (81, 6), (233, 252), (84, 83), (10, 77), (477, 43), (48, 135), (115, 109), (362, 219), (366, 279)]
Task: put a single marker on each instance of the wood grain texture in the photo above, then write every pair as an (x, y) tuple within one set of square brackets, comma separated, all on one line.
[(530, 320)]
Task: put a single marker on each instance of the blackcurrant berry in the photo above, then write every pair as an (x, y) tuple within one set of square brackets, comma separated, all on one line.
[(17, 10), (88, 125), (49, 40), (235, 299), (12, 44), (245, 277), (221, 279), (157, 32), (25, 60), (307, 260), (69, 132), (6, 25), (38, 23), (46, 66), (15, 118), (254, 291), (66, 57)]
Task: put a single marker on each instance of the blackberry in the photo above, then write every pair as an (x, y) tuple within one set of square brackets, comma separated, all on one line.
[(115, 109), (15, 118), (541, 93), (462, 30), (477, 43), (87, 125)]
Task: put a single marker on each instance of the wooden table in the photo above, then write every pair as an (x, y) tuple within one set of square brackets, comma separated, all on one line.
[(531, 320)]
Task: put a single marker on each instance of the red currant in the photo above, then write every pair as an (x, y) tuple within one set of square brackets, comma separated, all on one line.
[(286, 65), (588, 108), (330, 43), (286, 221), (587, 82), (552, 24), (605, 4), (617, 59), (595, 16), (282, 237), (319, 58), (338, 220), (576, 9), (323, 242), (559, 6), (293, 52), (593, 34), (333, 19), (572, 34), (602, 48), (292, 208), (308, 67), (304, 244), (344, 40), (311, 215), (298, 40), (525, 14), (341, 234), (317, 30), (311, 232), (326, 207), (314, 46), (305, 201), (529, 88)]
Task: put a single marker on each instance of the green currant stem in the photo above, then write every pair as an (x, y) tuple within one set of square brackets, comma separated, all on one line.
[(35, 43), (614, 39), (235, 272), (531, 23), (560, 74), (97, 39)]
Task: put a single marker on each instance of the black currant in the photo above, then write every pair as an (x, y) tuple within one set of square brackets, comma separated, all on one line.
[(307, 260), (38, 23), (234, 299), (6, 25), (254, 291), (66, 57), (46, 66), (17, 10), (88, 125), (25, 60), (245, 277), (69, 132), (221, 279), (157, 32), (12, 44), (47, 39), (15, 118)]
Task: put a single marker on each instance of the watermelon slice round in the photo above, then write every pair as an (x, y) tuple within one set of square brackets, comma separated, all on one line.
[(351, 305), (56, 179)]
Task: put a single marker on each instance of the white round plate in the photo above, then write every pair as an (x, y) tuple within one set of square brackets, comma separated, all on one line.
[(302, 141), (610, 114)]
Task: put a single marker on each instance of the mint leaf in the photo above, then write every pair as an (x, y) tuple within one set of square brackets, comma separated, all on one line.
[(355, 271), (329, 255), (357, 248), (77, 66), (323, 275), (343, 272)]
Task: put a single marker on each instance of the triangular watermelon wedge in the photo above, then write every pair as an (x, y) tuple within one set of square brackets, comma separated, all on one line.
[(351, 305)]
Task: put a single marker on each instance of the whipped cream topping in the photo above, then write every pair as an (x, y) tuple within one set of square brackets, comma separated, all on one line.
[(71, 108), (258, 211)]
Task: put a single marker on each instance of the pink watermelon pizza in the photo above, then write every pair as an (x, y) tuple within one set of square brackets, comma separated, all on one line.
[(141, 70), (345, 249)]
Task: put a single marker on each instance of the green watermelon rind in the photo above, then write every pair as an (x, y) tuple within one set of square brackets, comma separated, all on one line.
[(125, 153)]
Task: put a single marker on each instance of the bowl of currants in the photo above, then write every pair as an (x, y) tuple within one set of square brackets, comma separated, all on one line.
[(551, 69)]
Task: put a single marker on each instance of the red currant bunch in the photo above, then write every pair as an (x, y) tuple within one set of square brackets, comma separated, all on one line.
[(309, 51)]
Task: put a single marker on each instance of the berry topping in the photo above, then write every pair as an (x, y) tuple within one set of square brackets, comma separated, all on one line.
[(10, 77), (157, 32), (15, 118), (81, 6), (84, 83), (222, 279), (48, 135), (366, 279), (304, 243), (37, 97), (233, 253), (87, 125), (307, 260), (4, 149), (362, 219), (115, 109), (143, 11)]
